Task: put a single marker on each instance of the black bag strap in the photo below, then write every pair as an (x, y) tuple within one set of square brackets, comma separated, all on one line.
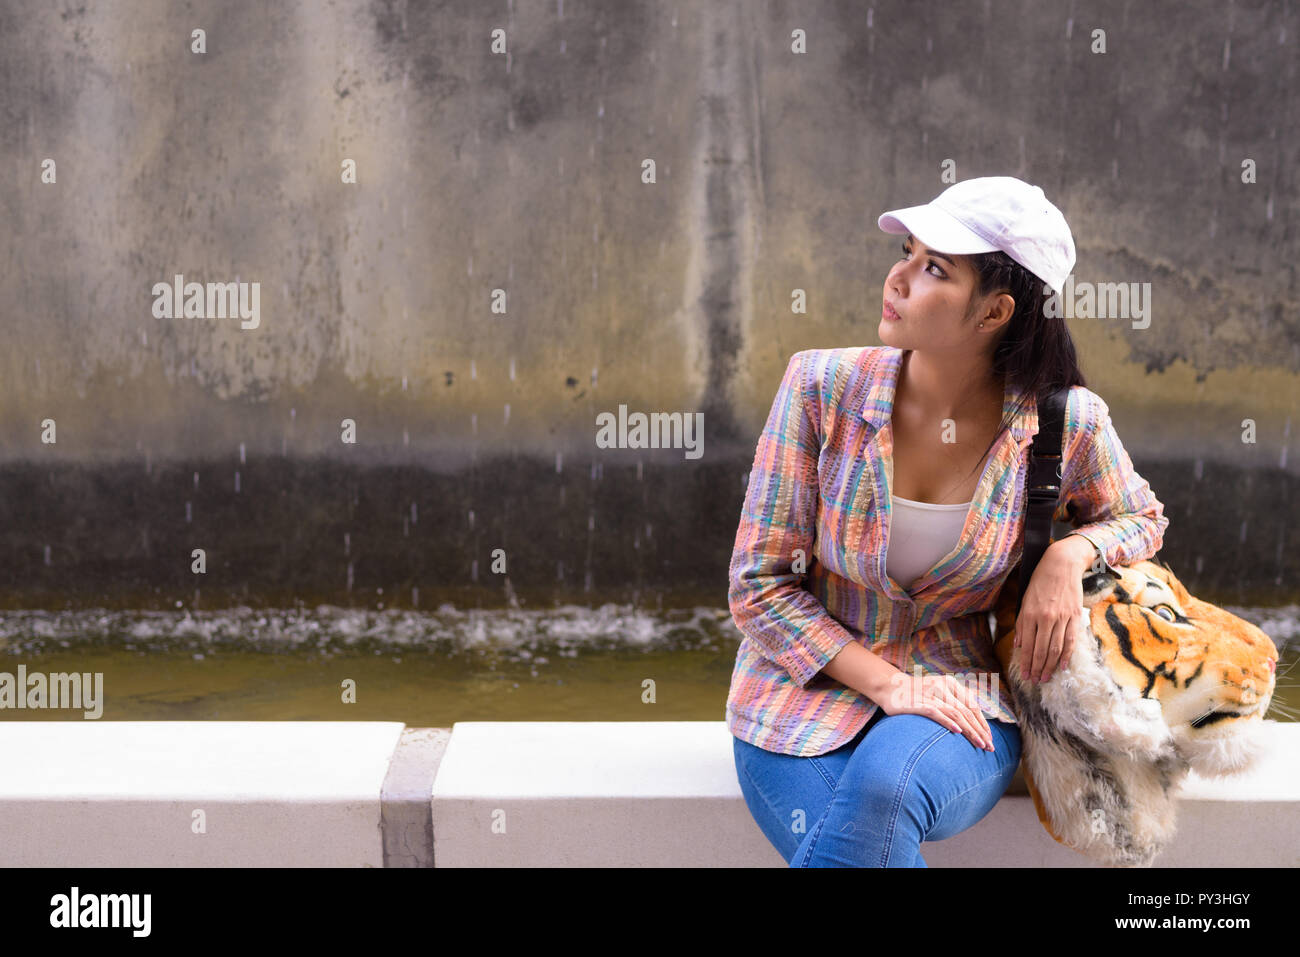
[(1043, 487)]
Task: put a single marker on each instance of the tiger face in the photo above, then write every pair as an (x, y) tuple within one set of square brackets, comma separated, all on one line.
[(1211, 674)]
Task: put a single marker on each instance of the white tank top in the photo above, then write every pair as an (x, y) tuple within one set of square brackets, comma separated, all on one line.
[(921, 533)]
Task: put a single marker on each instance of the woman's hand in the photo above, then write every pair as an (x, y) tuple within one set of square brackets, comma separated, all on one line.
[(1049, 612), (942, 698)]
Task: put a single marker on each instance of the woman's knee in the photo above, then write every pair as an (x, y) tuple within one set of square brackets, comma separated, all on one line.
[(885, 763), (911, 760), (963, 788)]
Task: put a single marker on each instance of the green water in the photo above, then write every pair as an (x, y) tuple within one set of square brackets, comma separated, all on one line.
[(419, 690), (426, 669)]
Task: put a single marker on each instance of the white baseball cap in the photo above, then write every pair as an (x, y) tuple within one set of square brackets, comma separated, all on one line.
[(989, 213)]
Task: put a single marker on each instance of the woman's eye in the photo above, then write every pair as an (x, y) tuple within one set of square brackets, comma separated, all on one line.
[(933, 265)]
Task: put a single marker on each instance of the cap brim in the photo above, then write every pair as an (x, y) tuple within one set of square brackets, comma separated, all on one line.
[(936, 228)]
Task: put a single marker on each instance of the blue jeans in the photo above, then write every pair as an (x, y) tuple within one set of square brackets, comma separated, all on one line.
[(902, 780)]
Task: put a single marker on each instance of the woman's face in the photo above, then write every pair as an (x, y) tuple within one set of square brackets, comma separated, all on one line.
[(930, 294)]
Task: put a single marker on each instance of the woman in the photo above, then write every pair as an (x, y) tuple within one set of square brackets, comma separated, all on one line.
[(884, 511)]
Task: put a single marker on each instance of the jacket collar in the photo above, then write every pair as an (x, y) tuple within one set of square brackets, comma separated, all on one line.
[(879, 405)]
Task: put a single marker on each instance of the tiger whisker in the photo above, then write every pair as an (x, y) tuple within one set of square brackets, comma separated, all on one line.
[(1208, 711), (1283, 674)]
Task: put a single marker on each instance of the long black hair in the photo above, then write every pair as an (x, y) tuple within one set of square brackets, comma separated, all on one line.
[(1036, 352)]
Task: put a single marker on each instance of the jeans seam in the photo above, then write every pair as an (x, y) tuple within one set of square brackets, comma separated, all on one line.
[(831, 783), (817, 832), (902, 787)]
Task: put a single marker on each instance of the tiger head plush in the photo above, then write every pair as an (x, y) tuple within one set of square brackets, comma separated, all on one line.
[(1158, 683)]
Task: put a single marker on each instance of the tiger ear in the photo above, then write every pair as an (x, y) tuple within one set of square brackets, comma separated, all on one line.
[(1096, 585), (1177, 587), (1164, 567)]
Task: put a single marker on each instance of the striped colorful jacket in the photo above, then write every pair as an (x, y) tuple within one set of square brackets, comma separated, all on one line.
[(807, 574)]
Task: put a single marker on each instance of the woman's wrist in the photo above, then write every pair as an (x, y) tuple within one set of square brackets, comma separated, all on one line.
[(1080, 551), (860, 668)]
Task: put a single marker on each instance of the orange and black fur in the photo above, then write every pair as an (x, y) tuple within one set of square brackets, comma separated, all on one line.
[(1158, 683)]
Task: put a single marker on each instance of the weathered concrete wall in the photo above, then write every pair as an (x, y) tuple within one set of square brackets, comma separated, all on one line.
[(522, 171)]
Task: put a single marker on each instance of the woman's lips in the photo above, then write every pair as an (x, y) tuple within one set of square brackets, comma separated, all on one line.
[(889, 313)]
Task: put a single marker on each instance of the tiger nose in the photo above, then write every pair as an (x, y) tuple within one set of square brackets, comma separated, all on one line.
[(1272, 665)]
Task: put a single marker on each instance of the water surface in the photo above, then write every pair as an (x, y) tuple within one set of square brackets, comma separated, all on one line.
[(427, 669)]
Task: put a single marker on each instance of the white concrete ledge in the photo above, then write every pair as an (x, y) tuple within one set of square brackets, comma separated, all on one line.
[(494, 794), (128, 793), (627, 794)]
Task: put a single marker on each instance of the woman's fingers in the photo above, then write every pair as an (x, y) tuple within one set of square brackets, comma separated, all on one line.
[(1071, 636), (968, 723), (970, 699), (1042, 639), (940, 713), (951, 704), (1058, 657), (1025, 636), (1047, 642), (1054, 645)]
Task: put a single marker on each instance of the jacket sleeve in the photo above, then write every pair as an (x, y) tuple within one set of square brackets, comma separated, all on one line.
[(1102, 496), (777, 528)]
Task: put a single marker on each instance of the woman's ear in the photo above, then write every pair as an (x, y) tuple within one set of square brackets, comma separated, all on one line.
[(994, 311)]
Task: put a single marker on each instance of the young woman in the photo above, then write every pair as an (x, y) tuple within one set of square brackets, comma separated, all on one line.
[(885, 509)]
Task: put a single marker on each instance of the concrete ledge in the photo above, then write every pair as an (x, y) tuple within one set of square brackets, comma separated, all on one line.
[(577, 794), (495, 794), (126, 793), (628, 794)]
